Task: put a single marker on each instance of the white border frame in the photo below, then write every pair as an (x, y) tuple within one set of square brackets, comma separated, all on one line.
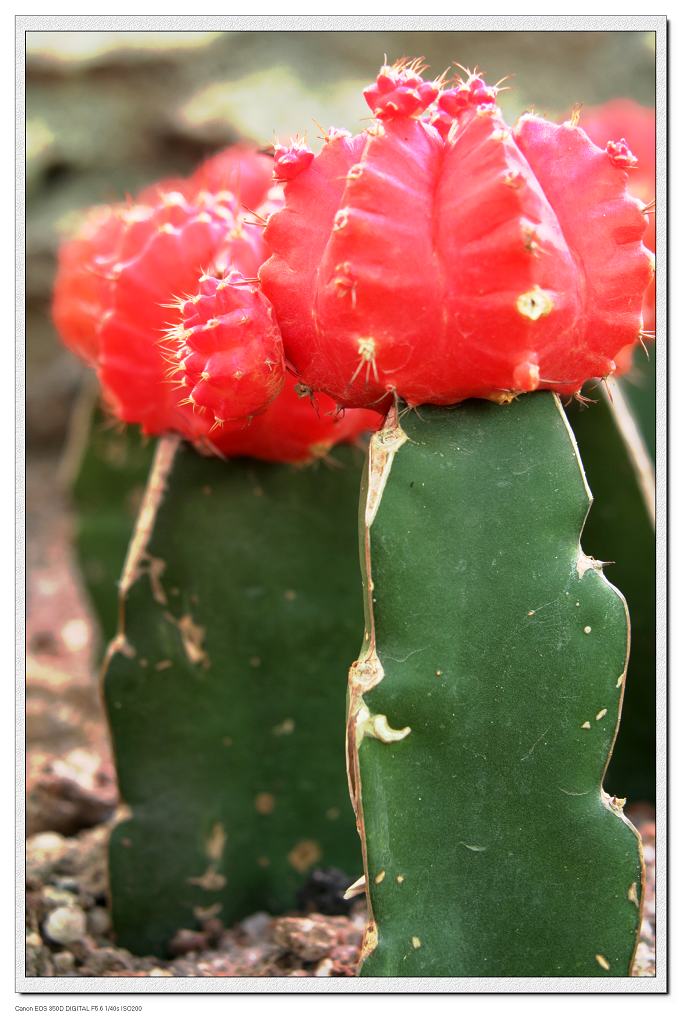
[(303, 23)]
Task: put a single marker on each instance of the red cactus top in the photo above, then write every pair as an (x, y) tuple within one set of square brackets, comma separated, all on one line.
[(636, 152), (161, 298), (443, 255)]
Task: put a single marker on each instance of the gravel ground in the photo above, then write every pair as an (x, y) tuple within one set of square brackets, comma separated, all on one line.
[(69, 929)]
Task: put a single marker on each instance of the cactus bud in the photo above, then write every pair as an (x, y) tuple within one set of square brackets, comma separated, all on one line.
[(225, 354), (400, 91), (291, 160), (467, 94), (116, 280)]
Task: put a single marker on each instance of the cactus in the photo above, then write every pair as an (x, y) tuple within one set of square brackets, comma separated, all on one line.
[(225, 352), (225, 690), (137, 259), (222, 683), (485, 704), (640, 392), (439, 258), (107, 487), (484, 264), (437, 267), (605, 123), (622, 523)]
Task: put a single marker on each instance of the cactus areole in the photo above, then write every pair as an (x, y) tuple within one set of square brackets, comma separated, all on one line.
[(442, 255)]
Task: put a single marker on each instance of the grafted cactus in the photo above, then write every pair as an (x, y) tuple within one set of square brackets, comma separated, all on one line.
[(438, 258), (224, 683)]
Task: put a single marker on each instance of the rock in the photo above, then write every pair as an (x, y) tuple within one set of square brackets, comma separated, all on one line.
[(187, 941), (56, 896), (310, 938), (65, 925), (214, 930), (64, 961), (70, 795), (99, 921), (324, 969), (108, 959), (38, 960), (44, 851), (256, 926)]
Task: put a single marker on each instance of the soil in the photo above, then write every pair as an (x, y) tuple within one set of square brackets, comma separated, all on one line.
[(72, 799)]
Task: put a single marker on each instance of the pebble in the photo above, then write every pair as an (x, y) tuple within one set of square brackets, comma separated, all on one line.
[(99, 921), (55, 896), (324, 968), (64, 961), (43, 852), (33, 940), (65, 925), (256, 926), (310, 938), (187, 941)]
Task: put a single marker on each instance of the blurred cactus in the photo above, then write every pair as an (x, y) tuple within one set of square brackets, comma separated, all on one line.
[(225, 690), (615, 436), (108, 481)]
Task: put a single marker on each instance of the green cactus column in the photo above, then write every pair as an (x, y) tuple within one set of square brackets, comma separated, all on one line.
[(485, 704), (225, 690), (615, 436), (107, 485)]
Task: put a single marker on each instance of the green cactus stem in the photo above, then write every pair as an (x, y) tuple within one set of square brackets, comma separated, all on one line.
[(105, 468), (639, 386), (225, 690), (485, 704), (615, 438)]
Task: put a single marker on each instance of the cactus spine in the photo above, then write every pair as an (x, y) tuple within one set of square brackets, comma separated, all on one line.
[(485, 703)]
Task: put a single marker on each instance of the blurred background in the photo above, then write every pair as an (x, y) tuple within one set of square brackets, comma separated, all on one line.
[(108, 112)]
